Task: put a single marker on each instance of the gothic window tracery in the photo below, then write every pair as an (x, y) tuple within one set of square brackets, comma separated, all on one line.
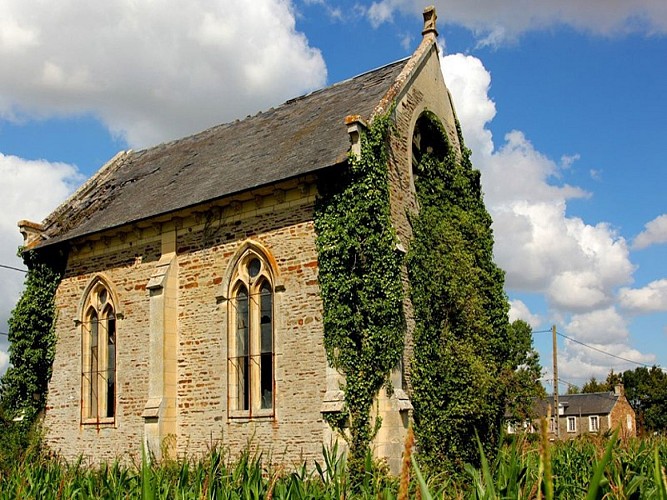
[(251, 350), (99, 336)]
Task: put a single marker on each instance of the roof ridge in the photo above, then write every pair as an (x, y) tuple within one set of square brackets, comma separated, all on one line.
[(405, 76)]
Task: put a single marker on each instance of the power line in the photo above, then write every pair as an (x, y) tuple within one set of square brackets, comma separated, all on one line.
[(603, 352), (599, 350), (4, 333), (542, 331), (13, 268)]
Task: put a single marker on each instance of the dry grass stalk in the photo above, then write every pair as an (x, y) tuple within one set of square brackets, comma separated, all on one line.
[(407, 463)]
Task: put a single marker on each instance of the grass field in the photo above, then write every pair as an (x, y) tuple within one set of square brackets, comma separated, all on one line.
[(600, 467)]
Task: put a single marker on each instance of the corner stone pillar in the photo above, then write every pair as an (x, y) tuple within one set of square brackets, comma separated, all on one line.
[(160, 409), (394, 407)]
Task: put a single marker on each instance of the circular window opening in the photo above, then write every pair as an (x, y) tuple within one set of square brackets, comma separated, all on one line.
[(254, 266)]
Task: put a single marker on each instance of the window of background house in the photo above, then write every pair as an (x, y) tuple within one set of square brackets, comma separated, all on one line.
[(98, 374), (250, 353), (571, 424), (593, 423)]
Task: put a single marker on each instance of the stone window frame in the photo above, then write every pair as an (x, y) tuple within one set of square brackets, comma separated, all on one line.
[(99, 313), (571, 424), (238, 275), (594, 423)]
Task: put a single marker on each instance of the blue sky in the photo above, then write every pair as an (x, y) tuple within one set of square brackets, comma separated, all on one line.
[(563, 104)]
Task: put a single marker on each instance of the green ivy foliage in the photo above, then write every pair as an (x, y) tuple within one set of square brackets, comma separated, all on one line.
[(461, 337), (522, 383), (360, 282), (32, 340)]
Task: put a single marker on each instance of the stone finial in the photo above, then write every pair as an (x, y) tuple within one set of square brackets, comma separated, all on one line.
[(32, 232), (429, 21)]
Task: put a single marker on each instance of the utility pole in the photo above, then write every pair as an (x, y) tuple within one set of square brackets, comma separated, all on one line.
[(555, 360)]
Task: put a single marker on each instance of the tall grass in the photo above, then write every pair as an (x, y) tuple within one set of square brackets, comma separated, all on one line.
[(592, 468)]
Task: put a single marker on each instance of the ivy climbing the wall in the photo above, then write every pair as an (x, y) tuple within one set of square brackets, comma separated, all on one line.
[(460, 308), (32, 341), (360, 284)]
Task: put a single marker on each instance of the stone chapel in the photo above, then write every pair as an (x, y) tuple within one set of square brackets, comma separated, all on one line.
[(189, 313)]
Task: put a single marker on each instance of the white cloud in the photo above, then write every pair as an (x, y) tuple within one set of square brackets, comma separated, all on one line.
[(566, 161), (152, 71), (469, 81), (519, 310), (334, 13), (381, 12), (581, 363), (496, 22), (603, 326), (578, 267), (606, 332), (4, 361), (651, 298), (21, 180), (654, 233)]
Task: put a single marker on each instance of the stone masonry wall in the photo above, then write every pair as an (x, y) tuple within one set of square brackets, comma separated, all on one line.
[(207, 237), (128, 269), (300, 364)]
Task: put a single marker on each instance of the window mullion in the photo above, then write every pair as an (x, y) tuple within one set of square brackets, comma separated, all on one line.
[(85, 367), (249, 283), (102, 367), (254, 350)]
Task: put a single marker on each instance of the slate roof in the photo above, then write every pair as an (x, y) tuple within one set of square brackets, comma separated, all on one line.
[(595, 403), (299, 137)]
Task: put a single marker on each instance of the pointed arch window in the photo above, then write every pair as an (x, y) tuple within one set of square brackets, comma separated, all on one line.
[(251, 336), (98, 346), (428, 141)]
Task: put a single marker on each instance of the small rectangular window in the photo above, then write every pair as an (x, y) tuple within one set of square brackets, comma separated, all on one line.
[(571, 424), (593, 423)]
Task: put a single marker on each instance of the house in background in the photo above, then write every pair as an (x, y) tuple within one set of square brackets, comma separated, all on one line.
[(581, 414), (189, 313)]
